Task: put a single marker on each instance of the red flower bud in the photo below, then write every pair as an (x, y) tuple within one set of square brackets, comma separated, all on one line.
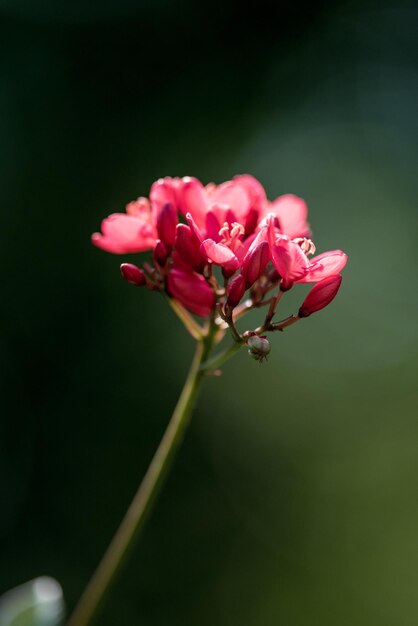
[(132, 274), (166, 225), (320, 295), (160, 253), (188, 247), (255, 262), (235, 291), (191, 290)]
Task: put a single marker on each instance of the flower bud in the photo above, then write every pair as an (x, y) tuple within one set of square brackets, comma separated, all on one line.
[(166, 224), (160, 253), (320, 295), (259, 347), (188, 247), (255, 262), (191, 290), (235, 291), (132, 274)]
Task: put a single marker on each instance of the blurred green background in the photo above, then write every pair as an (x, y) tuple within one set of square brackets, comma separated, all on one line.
[(294, 500)]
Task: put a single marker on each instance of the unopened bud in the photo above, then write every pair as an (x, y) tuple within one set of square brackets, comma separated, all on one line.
[(166, 225), (235, 291), (320, 295), (160, 253), (132, 274), (255, 262), (188, 247), (259, 347)]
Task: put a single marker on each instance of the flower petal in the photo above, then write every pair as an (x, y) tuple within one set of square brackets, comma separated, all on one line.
[(124, 234), (254, 189), (292, 213), (219, 254), (289, 260), (232, 195), (194, 199), (325, 265), (163, 192)]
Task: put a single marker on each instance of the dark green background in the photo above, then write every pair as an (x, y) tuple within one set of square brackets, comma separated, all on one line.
[(294, 500)]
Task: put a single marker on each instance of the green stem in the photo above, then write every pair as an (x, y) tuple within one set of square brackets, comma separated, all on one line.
[(191, 325), (145, 497), (292, 319), (219, 359)]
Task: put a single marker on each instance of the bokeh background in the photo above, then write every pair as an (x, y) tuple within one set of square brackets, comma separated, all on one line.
[(294, 500)]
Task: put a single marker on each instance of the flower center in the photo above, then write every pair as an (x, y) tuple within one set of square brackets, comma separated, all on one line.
[(231, 234), (307, 245)]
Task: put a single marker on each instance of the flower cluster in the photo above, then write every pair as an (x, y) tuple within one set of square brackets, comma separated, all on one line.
[(259, 246)]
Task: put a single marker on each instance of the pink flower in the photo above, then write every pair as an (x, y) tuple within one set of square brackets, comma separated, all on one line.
[(320, 295), (133, 231), (228, 202), (232, 225), (223, 218), (292, 263)]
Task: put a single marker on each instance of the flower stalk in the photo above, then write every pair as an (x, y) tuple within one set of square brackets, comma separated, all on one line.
[(144, 499), (258, 246)]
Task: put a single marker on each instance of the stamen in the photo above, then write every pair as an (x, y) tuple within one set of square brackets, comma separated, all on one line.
[(228, 232), (307, 245)]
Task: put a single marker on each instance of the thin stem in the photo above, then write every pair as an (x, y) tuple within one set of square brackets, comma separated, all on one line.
[(144, 498), (274, 302), (292, 319), (221, 358), (243, 309), (191, 325), (234, 332)]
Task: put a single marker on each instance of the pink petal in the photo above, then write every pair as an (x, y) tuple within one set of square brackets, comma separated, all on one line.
[(254, 189), (251, 221), (289, 260), (219, 254), (233, 196), (325, 265), (194, 228), (292, 213), (194, 200), (212, 226), (262, 235), (124, 234), (163, 191), (242, 250)]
